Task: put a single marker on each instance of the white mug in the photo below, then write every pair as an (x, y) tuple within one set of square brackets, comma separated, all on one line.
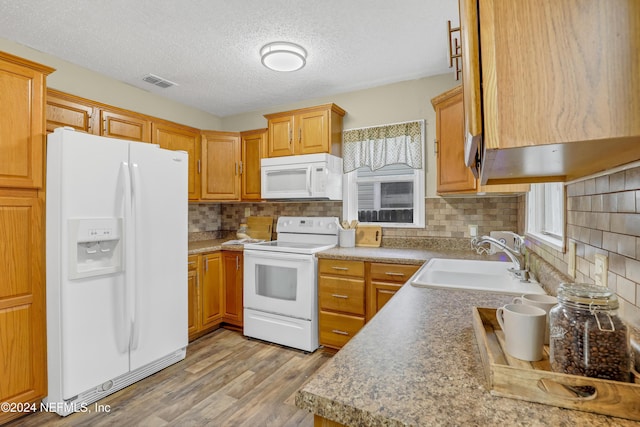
[(523, 327), (545, 302)]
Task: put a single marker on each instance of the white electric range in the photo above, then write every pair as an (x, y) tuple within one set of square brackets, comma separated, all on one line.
[(280, 282)]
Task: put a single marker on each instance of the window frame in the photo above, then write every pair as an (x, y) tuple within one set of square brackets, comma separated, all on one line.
[(537, 206), (350, 199)]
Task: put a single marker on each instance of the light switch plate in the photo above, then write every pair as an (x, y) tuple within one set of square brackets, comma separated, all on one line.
[(473, 230), (572, 260), (602, 270), (247, 212)]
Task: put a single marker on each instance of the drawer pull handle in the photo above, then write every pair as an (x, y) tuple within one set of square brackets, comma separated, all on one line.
[(340, 268), (336, 331), (392, 273), (340, 296), (191, 262)]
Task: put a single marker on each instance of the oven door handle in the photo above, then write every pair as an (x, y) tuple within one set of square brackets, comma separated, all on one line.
[(255, 256)]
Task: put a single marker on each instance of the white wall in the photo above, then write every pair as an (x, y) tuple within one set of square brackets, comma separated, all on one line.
[(398, 102), (85, 83)]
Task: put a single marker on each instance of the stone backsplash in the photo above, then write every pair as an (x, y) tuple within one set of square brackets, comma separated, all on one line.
[(603, 217), (446, 218)]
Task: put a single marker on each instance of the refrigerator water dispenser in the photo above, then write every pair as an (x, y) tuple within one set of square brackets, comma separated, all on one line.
[(95, 247)]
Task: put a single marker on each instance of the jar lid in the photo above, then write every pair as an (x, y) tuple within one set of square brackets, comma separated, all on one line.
[(587, 294)]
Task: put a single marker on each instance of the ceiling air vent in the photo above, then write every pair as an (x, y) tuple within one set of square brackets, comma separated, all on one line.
[(158, 81)]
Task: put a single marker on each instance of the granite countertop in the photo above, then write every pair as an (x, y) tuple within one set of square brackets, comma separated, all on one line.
[(399, 255), (211, 245), (416, 363)]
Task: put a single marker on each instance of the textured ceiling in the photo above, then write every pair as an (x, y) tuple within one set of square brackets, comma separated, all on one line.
[(211, 47)]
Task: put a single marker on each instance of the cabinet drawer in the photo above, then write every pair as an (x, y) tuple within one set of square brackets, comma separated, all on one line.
[(341, 294), (392, 272), (337, 329), (341, 268)]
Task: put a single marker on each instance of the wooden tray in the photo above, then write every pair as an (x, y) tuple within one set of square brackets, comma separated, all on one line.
[(534, 381)]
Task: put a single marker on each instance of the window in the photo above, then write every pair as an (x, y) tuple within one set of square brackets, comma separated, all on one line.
[(545, 213), (392, 196), (384, 174)]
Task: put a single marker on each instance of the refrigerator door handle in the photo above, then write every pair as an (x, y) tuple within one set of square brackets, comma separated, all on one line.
[(137, 218), (129, 257)]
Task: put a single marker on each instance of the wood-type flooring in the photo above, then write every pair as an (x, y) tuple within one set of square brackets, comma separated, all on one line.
[(225, 380)]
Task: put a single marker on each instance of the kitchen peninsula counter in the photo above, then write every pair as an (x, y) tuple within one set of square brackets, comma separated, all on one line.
[(417, 363)]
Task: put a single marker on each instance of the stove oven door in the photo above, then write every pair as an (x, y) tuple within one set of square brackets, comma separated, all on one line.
[(280, 283)]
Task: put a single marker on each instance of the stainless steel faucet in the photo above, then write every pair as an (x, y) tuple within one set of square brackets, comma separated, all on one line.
[(513, 254)]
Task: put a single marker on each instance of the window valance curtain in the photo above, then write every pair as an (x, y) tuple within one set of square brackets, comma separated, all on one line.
[(383, 145)]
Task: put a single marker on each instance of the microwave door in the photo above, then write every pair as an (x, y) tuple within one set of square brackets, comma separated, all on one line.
[(287, 182)]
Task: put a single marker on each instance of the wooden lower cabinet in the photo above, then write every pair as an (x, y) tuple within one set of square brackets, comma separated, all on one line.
[(350, 293), (193, 283), (341, 301), (232, 265), (211, 295), (23, 353), (215, 291), (383, 281)]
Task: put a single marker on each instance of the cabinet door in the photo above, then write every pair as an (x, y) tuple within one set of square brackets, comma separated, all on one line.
[(253, 149), (123, 126), (471, 80), (281, 136), (312, 132), (181, 139), (211, 290), (221, 156), (453, 175), (233, 292), (384, 281), (22, 300), (193, 285), (21, 124), (64, 112)]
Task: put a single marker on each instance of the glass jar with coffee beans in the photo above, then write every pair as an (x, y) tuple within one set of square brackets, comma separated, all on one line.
[(587, 337)]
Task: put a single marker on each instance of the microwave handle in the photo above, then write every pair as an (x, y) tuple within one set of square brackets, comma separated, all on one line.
[(309, 172)]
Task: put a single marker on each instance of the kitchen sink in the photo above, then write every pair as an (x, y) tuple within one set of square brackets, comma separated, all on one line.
[(488, 276)]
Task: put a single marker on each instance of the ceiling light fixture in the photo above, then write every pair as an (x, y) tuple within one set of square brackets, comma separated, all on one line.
[(283, 56)]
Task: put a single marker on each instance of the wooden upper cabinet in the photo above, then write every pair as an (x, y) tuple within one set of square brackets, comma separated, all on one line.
[(306, 131), (66, 110), (221, 166), (453, 176), (22, 122), (254, 148), (124, 126), (560, 86), (181, 138), (281, 136)]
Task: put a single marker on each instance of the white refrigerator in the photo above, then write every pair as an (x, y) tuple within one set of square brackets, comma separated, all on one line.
[(116, 259)]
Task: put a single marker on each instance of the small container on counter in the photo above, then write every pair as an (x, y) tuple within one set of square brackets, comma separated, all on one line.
[(587, 337), (242, 232)]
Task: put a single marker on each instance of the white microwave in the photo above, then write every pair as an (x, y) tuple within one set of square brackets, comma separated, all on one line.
[(306, 176)]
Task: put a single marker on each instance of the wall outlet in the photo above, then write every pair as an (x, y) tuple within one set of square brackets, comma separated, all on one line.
[(602, 270), (473, 230), (572, 260), (247, 212)]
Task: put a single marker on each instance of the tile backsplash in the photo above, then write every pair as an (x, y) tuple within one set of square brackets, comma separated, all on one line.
[(445, 217), (603, 217)]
